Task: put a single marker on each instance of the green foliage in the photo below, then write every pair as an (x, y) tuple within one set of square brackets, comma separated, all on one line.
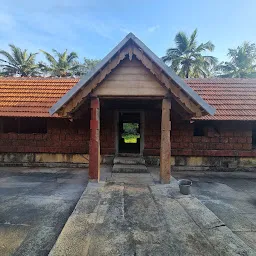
[(187, 58), (85, 67), (89, 64), (130, 128), (18, 62), (130, 132), (242, 62), (130, 138), (60, 64)]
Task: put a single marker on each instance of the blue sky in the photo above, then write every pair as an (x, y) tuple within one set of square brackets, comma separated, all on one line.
[(93, 28)]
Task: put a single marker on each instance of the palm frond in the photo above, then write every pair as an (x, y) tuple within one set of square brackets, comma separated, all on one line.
[(49, 57), (9, 57), (211, 60), (71, 57), (187, 58), (182, 42), (192, 41), (17, 54)]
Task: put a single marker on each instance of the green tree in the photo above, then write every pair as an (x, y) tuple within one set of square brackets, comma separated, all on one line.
[(18, 62), (241, 64), (86, 66), (60, 64), (187, 59), (90, 64)]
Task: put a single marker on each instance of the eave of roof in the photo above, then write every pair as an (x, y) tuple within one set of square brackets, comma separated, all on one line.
[(169, 72), (233, 98)]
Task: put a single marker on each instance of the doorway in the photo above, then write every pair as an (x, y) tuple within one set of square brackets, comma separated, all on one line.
[(130, 137)]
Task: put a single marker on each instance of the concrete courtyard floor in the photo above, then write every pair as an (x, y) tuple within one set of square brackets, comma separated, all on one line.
[(132, 214), (232, 199), (35, 203)]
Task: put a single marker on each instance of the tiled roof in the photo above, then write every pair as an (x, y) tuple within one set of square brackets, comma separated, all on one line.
[(31, 97), (234, 99)]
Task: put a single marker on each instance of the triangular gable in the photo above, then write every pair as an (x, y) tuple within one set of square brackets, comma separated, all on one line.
[(130, 78), (130, 46)]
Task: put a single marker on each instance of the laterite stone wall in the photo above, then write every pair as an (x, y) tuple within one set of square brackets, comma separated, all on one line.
[(63, 136), (224, 144), (227, 138)]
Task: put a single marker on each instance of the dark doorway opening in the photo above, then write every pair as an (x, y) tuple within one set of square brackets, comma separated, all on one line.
[(129, 132)]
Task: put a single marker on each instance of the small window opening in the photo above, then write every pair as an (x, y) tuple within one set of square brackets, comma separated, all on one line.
[(33, 125), (254, 137), (10, 125), (24, 125), (199, 130)]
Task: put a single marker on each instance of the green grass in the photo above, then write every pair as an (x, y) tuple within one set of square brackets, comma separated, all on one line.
[(130, 138)]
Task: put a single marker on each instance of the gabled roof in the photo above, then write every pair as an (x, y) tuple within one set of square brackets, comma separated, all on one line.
[(233, 98), (168, 71), (31, 97)]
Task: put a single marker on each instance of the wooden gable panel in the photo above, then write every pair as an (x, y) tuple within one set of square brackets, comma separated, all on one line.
[(130, 78)]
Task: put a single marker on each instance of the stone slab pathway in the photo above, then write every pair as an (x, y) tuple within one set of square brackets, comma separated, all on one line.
[(122, 219)]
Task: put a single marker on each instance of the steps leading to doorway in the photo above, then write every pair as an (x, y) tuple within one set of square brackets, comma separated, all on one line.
[(129, 164), (129, 160)]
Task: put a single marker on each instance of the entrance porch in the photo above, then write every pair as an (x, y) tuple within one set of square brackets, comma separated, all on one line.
[(149, 124), (129, 85)]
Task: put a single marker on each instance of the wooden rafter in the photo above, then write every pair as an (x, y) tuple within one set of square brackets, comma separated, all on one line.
[(83, 94), (131, 50), (180, 96)]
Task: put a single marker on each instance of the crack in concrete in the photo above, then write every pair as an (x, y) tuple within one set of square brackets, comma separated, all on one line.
[(217, 226)]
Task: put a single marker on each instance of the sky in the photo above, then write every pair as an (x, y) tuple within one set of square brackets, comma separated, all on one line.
[(93, 28)]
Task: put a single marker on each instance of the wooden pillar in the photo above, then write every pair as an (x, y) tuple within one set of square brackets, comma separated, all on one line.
[(165, 150), (94, 151)]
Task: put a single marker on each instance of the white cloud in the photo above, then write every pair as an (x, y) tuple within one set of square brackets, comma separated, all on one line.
[(153, 28), (57, 24)]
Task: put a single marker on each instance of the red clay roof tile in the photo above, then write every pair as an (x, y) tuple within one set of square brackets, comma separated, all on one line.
[(234, 99), (31, 97)]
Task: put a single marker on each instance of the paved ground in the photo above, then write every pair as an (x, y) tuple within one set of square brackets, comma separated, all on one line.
[(138, 219), (34, 206), (233, 200)]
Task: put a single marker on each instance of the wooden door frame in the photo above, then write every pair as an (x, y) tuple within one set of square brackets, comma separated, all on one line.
[(142, 126)]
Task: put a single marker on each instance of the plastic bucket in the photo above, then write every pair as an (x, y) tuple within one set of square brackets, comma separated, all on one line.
[(185, 186)]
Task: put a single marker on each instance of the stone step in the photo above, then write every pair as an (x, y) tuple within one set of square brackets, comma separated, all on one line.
[(129, 155), (129, 168), (129, 160)]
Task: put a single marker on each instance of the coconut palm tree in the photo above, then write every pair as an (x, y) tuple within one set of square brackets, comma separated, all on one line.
[(187, 58), (60, 64), (18, 62), (242, 62)]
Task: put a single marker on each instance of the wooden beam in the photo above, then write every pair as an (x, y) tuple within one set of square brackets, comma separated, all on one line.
[(165, 150), (83, 94), (178, 94), (176, 91), (94, 150)]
